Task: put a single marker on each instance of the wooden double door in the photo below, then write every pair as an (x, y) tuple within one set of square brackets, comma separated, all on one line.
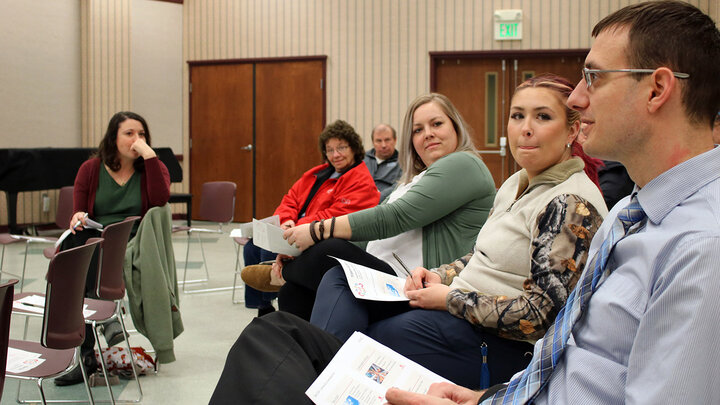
[(256, 123), (481, 84)]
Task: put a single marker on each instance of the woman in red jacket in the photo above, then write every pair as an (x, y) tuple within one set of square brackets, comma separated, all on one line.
[(124, 178), (341, 185)]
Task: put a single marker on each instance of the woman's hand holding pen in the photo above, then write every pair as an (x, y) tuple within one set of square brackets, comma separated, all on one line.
[(425, 290), (77, 222), (419, 278), (434, 296)]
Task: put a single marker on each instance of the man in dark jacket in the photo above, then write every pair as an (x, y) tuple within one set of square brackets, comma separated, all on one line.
[(382, 159)]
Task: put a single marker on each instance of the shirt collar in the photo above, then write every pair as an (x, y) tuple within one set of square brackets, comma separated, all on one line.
[(675, 185)]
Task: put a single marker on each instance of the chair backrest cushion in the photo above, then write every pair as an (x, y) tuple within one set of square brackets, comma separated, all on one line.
[(63, 322), (110, 284), (217, 202), (64, 208)]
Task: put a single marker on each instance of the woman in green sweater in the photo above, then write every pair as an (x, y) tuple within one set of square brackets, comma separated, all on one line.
[(432, 216)]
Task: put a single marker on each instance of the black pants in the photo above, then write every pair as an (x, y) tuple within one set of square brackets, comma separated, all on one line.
[(303, 275), (274, 361)]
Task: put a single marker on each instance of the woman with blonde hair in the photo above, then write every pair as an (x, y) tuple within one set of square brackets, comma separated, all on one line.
[(432, 216)]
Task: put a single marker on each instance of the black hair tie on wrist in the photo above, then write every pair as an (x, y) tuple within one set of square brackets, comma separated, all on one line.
[(332, 227), (312, 231), (322, 229)]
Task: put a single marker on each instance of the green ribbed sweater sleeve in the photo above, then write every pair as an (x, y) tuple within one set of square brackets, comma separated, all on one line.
[(448, 184)]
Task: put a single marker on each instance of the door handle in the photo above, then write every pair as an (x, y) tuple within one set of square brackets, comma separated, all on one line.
[(249, 147)]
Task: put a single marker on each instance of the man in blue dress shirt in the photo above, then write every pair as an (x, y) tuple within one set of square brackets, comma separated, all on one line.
[(650, 332)]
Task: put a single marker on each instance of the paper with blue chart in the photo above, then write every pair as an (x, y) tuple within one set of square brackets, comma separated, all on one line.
[(363, 370), (370, 284)]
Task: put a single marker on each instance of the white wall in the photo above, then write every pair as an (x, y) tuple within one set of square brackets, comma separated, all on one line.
[(40, 76), (156, 70)]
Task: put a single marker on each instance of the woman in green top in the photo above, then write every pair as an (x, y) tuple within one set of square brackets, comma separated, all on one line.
[(434, 214), (124, 179)]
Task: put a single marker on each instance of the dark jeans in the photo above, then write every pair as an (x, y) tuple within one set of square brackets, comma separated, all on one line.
[(303, 275), (274, 361), (254, 255), (441, 342)]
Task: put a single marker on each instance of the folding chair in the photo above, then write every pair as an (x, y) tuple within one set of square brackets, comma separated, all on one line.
[(110, 289), (63, 215), (217, 204), (62, 220), (6, 239), (63, 326), (6, 296), (239, 243)]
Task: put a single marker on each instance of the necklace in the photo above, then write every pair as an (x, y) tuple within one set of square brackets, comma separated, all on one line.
[(121, 181), (125, 180)]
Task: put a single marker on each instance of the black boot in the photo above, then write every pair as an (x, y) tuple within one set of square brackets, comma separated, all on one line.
[(113, 333), (75, 376), (265, 310)]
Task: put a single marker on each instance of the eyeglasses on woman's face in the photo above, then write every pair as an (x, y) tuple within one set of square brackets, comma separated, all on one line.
[(340, 149)]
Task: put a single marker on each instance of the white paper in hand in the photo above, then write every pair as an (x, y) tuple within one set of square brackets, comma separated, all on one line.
[(270, 237), (246, 229)]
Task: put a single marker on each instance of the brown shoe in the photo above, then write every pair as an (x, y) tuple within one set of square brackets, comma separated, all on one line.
[(257, 276)]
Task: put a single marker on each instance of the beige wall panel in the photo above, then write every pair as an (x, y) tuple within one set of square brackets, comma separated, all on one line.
[(378, 50), (106, 55)]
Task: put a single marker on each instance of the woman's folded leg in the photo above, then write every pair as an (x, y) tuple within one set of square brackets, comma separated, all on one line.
[(451, 347), (303, 274), (339, 312)]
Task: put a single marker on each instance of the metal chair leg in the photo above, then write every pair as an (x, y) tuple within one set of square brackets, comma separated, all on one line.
[(237, 271), (127, 344), (22, 278), (39, 382), (202, 252), (102, 362), (78, 355)]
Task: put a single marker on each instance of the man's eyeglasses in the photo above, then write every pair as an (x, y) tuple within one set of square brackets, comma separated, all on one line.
[(341, 149), (591, 74)]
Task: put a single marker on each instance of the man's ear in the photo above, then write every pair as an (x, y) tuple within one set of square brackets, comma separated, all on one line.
[(662, 85)]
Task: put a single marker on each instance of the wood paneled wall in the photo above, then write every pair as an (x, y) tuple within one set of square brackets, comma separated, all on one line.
[(377, 50)]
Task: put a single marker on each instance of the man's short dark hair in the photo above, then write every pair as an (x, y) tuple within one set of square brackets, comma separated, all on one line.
[(680, 37)]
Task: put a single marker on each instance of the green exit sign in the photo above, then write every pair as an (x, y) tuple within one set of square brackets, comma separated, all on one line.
[(508, 24), (509, 31)]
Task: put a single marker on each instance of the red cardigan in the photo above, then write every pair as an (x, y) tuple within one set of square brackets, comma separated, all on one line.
[(355, 190), (154, 185)]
